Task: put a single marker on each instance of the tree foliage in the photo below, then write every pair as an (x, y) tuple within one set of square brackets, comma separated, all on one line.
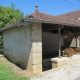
[(9, 15)]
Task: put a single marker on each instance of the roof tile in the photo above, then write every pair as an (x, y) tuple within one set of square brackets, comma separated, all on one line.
[(69, 18), (39, 15)]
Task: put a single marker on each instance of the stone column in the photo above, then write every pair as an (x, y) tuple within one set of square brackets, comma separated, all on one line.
[(76, 41), (59, 40), (36, 48)]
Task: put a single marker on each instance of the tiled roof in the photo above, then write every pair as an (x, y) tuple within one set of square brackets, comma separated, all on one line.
[(71, 15), (39, 15), (13, 25), (44, 17)]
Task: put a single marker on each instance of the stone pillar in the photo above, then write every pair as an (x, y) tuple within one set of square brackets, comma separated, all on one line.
[(59, 40), (76, 41), (36, 48)]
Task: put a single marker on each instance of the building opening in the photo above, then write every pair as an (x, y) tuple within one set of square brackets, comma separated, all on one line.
[(49, 45)]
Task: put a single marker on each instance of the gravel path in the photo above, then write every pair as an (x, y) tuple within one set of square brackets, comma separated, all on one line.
[(67, 72)]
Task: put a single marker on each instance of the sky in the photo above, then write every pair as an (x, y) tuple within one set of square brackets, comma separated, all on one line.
[(53, 7)]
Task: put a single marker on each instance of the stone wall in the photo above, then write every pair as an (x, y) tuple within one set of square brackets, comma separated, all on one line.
[(36, 47), (23, 46), (16, 45)]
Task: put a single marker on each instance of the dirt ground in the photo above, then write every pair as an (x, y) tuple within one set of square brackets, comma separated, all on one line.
[(15, 68)]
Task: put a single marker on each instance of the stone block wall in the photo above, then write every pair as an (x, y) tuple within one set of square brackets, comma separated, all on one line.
[(16, 45), (23, 46), (36, 48)]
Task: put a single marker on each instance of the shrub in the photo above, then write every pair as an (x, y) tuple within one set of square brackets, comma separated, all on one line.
[(77, 49), (69, 52)]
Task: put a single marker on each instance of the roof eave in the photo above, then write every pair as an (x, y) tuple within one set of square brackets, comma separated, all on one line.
[(16, 25), (51, 21), (21, 21)]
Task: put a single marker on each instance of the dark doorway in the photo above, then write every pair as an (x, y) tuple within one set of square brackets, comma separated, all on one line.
[(49, 45)]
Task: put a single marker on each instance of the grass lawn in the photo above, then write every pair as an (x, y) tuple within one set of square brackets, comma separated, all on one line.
[(7, 74)]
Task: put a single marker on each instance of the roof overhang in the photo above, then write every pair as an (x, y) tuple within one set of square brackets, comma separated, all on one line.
[(15, 25), (51, 22), (26, 22)]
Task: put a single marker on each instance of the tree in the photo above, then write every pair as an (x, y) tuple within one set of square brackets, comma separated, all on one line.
[(7, 16)]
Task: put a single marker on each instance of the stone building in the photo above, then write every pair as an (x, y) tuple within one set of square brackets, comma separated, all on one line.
[(32, 41)]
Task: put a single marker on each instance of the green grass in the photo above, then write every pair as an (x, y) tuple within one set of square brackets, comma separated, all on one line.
[(7, 74)]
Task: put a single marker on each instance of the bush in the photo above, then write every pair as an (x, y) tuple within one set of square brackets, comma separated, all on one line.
[(77, 49), (69, 52)]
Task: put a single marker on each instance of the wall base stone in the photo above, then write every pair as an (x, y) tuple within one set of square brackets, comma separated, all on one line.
[(57, 62)]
